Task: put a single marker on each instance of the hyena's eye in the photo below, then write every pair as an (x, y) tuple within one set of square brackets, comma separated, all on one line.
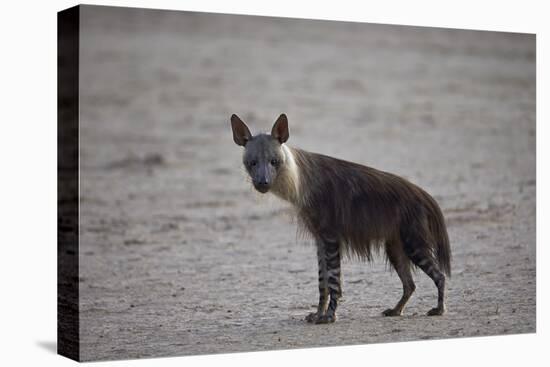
[(274, 162), (252, 163)]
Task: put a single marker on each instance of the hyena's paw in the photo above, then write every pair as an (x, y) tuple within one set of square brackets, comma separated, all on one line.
[(437, 311), (312, 317), (392, 312), (326, 319)]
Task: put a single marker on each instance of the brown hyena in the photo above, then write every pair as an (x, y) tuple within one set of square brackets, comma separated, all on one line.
[(350, 209)]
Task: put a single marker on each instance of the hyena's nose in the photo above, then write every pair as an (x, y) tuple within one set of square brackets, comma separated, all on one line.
[(262, 185)]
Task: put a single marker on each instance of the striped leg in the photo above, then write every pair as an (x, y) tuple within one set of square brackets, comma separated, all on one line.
[(429, 266), (332, 253), (323, 283)]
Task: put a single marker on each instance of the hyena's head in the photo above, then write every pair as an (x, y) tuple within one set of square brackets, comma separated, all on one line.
[(263, 156)]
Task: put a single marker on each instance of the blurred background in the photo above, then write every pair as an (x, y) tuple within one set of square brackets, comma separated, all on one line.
[(179, 255)]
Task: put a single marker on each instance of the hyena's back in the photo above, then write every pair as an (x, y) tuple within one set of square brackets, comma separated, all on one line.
[(367, 209)]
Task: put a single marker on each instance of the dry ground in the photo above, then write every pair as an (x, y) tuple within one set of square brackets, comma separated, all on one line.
[(179, 256)]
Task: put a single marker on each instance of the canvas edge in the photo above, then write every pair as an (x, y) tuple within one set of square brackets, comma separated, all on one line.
[(68, 325)]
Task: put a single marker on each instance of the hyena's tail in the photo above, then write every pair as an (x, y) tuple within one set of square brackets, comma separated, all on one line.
[(442, 248)]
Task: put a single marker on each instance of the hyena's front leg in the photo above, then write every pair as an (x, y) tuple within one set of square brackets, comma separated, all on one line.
[(329, 282), (334, 281), (323, 284)]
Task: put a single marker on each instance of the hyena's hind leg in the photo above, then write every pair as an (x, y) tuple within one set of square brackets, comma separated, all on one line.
[(419, 253), (401, 263)]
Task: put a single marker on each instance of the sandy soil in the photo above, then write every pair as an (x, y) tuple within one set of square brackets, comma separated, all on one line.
[(179, 256)]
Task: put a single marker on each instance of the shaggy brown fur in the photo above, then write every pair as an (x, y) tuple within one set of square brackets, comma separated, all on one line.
[(366, 208)]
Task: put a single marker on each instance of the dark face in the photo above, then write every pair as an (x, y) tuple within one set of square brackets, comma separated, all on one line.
[(262, 159), (263, 154)]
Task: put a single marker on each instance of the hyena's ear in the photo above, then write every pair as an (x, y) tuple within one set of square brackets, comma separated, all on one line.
[(241, 134), (280, 129)]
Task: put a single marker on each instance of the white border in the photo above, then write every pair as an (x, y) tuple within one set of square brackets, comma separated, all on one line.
[(28, 185)]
